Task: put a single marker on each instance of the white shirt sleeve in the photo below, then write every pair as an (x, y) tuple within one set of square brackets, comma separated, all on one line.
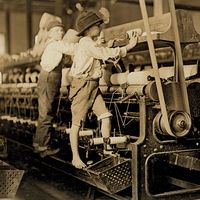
[(104, 53), (53, 54), (64, 47)]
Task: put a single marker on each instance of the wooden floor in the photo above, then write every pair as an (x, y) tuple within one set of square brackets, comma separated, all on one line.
[(33, 189), (43, 188), (47, 188)]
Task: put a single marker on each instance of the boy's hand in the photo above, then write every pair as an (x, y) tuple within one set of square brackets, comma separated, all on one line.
[(110, 43), (97, 74), (132, 43), (133, 35)]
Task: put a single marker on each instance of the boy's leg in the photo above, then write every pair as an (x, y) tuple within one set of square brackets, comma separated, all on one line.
[(74, 138), (103, 114), (48, 90), (106, 127), (105, 130), (44, 122), (79, 109)]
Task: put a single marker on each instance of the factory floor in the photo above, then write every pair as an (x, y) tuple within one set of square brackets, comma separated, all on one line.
[(41, 187), (32, 189)]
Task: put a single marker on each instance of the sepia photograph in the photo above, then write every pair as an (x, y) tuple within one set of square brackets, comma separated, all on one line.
[(99, 100)]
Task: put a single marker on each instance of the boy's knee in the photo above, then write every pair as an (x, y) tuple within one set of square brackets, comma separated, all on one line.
[(76, 123), (104, 116)]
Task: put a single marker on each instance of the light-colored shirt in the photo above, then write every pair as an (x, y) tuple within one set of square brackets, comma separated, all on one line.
[(53, 53), (87, 55)]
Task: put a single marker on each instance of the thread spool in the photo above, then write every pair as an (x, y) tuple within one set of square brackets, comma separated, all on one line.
[(135, 89), (28, 78), (5, 77), (34, 77), (119, 78), (81, 132), (167, 72), (110, 140), (140, 77), (117, 140), (150, 91), (116, 88), (96, 141)]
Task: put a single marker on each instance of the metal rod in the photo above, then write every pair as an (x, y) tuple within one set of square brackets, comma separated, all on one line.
[(179, 57)]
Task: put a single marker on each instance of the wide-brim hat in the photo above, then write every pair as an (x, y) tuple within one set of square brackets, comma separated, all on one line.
[(85, 20), (53, 24)]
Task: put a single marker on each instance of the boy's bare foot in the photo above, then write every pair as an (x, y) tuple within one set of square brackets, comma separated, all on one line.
[(109, 153), (78, 163)]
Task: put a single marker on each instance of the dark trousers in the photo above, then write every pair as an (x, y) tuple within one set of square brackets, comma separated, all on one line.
[(48, 89)]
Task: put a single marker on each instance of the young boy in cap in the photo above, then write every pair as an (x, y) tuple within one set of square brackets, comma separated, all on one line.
[(86, 71), (49, 85)]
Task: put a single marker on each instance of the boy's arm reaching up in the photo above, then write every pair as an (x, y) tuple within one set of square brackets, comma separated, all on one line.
[(65, 47)]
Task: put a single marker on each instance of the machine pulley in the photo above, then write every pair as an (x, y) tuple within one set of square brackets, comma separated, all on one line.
[(180, 123)]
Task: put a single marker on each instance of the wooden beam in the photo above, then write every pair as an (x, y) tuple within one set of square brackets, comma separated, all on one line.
[(29, 22), (59, 8), (157, 7), (189, 5), (160, 26), (7, 28)]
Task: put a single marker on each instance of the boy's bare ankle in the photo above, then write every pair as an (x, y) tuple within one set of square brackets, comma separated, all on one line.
[(109, 152)]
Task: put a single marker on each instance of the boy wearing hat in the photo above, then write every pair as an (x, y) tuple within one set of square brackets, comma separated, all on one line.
[(49, 83), (86, 71)]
